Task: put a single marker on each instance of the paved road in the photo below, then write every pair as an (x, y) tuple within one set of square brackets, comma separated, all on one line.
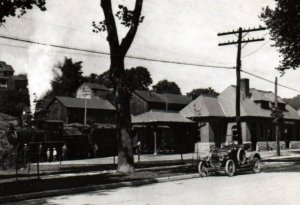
[(280, 186)]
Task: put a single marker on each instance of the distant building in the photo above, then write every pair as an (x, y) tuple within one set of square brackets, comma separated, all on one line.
[(18, 82), (91, 91), (6, 71), (216, 117), (158, 131), (144, 101), (71, 110), (9, 81), (157, 124)]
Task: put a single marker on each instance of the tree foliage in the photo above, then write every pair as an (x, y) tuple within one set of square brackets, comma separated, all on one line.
[(165, 86), (284, 24), (68, 78), (18, 7), (294, 102), (202, 91), (102, 79), (138, 78)]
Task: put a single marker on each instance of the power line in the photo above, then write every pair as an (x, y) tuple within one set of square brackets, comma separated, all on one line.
[(251, 53), (91, 34), (270, 81), (108, 54), (139, 58)]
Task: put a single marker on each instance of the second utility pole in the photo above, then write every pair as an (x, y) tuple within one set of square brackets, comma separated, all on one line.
[(238, 88), (239, 43)]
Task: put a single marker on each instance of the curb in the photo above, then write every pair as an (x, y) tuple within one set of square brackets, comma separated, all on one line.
[(59, 192)]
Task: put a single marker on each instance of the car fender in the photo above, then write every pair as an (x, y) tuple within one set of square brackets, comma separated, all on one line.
[(254, 155)]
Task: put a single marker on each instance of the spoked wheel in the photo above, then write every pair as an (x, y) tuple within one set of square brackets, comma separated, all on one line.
[(230, 168), (256, 165), (202, 169)]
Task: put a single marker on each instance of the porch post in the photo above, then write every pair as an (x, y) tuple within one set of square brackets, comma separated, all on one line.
[(155, 143)]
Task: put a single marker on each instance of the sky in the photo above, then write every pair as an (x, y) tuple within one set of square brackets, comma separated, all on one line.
[(173, 30)]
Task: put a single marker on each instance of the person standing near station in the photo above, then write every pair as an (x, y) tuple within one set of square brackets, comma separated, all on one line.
[(54, 154), (64, 151), (48, 154), (95, 150), (40, 148), (25, 149)]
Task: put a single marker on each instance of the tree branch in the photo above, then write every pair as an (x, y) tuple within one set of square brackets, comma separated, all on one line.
[(128, 39), (112, 33)]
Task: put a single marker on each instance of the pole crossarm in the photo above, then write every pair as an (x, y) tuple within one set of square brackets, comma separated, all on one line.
[(243, 41), (243, 31)]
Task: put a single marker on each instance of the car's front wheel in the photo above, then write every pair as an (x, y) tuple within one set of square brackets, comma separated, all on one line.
[(202, 168), (256, 165), (230, 168)]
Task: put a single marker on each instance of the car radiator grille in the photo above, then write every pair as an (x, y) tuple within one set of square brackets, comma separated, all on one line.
[(215, 161)]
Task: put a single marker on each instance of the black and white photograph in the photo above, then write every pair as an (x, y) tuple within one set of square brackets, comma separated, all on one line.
[(149, 102)]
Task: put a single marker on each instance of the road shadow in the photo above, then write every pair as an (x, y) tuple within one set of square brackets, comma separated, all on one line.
[(281, 167)]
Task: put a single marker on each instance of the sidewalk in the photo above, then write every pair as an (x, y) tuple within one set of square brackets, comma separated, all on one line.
[(147, 160), (80, 175)]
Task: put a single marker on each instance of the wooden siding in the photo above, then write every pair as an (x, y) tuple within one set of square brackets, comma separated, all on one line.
[(72, 115), (57, 112), (138, 105), (97, 116)]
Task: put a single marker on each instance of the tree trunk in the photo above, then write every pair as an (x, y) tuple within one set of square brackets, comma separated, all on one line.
[(123, 119)]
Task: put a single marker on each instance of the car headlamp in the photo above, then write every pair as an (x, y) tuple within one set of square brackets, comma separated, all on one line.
[(207, 158), (221, 158)]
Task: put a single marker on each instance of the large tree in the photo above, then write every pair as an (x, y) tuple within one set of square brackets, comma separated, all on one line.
[(102, 79), (284, 24), (165, 86), (18, 7), (68, 78), (117, 74), (202, 91), (138, 78)]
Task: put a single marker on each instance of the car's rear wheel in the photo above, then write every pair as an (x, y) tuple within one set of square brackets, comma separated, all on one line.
[(202, 168), (256, 165), (230, 168)]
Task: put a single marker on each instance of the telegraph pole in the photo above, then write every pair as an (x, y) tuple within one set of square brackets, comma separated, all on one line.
[(239, 43)]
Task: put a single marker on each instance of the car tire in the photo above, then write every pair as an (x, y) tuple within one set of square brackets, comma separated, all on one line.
[(230, 168), (202, 169), (256, 165)]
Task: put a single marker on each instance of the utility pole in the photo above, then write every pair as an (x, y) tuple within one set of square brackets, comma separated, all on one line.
[(239, 43), (85, 93), (277, 123)]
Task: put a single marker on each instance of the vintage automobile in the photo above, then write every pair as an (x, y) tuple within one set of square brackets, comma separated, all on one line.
[(230, 158)]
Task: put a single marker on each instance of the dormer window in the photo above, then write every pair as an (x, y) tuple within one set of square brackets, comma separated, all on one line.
[(264, 105), (281, 106)]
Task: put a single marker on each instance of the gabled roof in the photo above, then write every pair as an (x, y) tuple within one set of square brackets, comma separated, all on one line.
[(157, 116), (224, 105), (97, 104), (150, 96), (176, 99), (260, 95), (5, 67), (203, 106), (95, 86)]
